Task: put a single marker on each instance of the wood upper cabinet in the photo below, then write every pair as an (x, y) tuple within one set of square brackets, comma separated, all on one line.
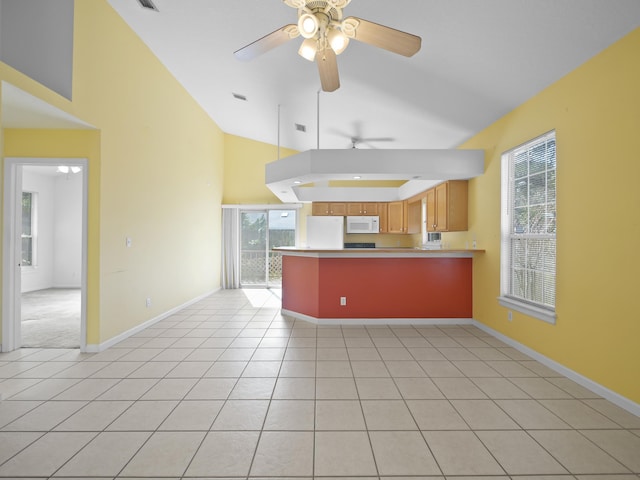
[(431, 210), (414, 215), (447, 207), (397, 217), (354, 208), (383, 213), (329, 208)]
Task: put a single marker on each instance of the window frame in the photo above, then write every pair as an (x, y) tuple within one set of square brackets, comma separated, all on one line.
[(34, 232), (506, 299)]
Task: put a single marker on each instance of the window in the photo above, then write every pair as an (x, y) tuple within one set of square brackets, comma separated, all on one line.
[(528, 255), (260, 232), (28, 229)]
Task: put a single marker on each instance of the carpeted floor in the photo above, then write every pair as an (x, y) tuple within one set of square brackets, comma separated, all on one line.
[(51, 318)]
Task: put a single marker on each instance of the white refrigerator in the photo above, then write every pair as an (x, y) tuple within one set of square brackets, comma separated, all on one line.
[(325, 232)]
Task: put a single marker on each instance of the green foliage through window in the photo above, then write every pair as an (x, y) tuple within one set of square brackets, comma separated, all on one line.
[(530, 236)]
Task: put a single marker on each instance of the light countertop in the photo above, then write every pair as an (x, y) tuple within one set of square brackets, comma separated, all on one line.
[(382, 252)]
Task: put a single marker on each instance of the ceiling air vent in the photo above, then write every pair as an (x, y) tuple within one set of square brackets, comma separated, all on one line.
[(301, 128), (148, 4)]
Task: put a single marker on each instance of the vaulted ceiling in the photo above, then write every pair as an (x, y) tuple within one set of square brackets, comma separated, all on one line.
[(478, 61)]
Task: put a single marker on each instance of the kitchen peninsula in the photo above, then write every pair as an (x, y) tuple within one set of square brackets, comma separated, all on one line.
[(377, 285)]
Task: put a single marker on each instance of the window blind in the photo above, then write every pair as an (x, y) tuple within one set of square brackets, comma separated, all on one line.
[(529, 222)]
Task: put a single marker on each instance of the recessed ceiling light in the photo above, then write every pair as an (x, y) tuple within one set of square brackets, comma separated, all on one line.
[(239, 96), (357, 177), (297, 182)]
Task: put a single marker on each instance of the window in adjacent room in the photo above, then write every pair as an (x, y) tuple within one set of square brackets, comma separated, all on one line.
[(528, 254), (28, 229)]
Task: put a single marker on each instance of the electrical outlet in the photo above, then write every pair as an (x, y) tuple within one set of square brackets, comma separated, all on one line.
[(510, 315), (148, 302), (343, 301)]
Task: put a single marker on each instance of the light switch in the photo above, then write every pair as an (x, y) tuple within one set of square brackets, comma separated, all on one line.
[(128, 242)]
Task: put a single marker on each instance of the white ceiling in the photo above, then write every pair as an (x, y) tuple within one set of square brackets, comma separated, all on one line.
[(479, 60), (22, 110)]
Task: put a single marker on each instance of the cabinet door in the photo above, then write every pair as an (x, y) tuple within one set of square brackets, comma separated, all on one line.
[(370, 209), (384, 217), (337, 208), (442, 213), (354, 209), (396, 217), (414, 216), (447, 207), (458, 205), (319, 208), (431, 210)]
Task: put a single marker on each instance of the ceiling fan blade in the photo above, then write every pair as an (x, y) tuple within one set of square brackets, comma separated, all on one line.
[(328, 70), (268, 42), (378, 139), (384, 37)]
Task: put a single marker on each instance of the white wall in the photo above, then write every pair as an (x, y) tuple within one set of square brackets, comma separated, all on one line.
[(67, 231), (59, 230)]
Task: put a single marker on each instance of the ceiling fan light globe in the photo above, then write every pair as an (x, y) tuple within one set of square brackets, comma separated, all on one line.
[(337, 40), (308, 49), (308, 25)]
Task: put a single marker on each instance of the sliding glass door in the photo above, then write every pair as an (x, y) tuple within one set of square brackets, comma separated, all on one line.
[(260, 232)]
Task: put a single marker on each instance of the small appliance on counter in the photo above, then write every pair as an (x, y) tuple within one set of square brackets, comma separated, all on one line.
[(363, 224), (434, 241)]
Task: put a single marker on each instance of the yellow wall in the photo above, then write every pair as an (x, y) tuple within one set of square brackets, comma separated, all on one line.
[(71, 144), (244, 168), (158, 179), (595, 111)]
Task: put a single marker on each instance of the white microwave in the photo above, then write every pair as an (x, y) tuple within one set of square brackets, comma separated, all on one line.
[(363, 224)]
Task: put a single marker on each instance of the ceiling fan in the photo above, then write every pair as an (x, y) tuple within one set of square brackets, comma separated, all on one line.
[(356, 138), (327, 33), (355, 141)]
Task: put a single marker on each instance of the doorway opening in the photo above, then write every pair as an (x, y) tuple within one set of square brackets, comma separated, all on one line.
[(45, 232), (260, 232)]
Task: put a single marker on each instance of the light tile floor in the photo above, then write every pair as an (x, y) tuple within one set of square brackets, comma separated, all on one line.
[(228, 388)]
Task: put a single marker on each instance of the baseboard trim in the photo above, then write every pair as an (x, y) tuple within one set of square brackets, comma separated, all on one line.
[(377, 321), (604, 392), (96, 348)]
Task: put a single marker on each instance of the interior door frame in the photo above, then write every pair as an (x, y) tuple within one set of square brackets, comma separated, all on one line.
[(11, 246)]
